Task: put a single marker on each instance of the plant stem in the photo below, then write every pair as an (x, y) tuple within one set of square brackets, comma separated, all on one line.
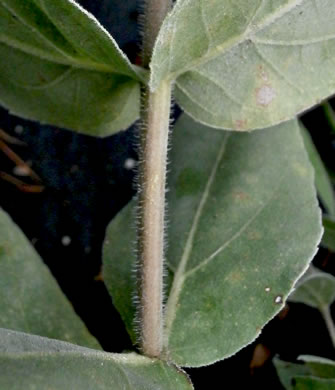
[(155, 117), (326, 314), (151, 210)]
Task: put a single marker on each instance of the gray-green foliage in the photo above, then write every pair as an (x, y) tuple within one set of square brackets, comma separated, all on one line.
[(59, 66), (238, 215), (30, 299), (247, 64), (311, 373), (316, 289), (241, 206), (32, 362), (31, 302), (237, 65)]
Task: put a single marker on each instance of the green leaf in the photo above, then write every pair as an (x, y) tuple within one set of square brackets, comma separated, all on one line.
[(309, 383), (316, 373), (322, 181), (318, 366), (30, 298), (238, 215), (37, 363), (287, 371), (118, 264), (247, 64), (60, 66), (328, 239), (316, 289)]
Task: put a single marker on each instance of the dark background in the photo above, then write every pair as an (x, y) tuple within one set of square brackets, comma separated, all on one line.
[(84, 184)]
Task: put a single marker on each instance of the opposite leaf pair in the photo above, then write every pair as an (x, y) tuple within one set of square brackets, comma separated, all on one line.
[(237, 65)]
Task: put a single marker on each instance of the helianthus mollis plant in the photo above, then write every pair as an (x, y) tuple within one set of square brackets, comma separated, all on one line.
[(243, 218)]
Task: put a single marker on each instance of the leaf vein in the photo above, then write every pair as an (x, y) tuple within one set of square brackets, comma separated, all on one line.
[(237, 234), (229, 96), (179, 275), (298, 42), (239, 39), (185, 92), (276, 70), (36, 31)]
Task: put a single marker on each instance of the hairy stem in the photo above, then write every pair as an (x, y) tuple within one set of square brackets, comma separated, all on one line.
[(155, 118), (154, 145)]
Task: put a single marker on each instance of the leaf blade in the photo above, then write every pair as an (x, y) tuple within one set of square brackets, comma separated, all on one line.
[(231, 228), (316, 373), (35, 362), (61, 67), (30, 298), (221, 204), (315, 289), (246, 76), (61, 27)]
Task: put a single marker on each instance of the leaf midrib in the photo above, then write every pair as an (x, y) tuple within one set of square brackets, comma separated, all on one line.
[(67, 59), (180, 274), (180, 271)]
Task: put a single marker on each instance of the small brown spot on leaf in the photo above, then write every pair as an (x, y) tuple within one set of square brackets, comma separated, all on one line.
[(262, 73), (254, 235), (236, 276), (239, 196), (241, 124)]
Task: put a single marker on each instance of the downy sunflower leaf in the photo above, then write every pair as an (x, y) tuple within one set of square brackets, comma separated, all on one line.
[(311, 383), (30, 299), (237, 217), (36, 363), (58, 65), (315, 373), (316, 289), (247, 64)]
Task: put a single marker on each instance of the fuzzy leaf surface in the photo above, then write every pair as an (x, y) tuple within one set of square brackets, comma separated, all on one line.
[(315, 374), (246, 64), (287, 371), (322, 181), (310, 383), (237, 217), (315, 289), (37, 363), (119, 266), (58, 65), (30, 299), (318, 366)]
